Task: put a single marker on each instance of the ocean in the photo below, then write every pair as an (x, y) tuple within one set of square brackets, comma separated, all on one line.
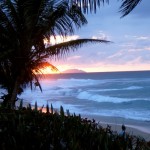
[(113, 94)]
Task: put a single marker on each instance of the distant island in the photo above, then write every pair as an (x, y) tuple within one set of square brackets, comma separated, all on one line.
[(74, 71)]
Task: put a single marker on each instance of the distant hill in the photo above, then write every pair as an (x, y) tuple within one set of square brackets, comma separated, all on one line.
[(74, 71)]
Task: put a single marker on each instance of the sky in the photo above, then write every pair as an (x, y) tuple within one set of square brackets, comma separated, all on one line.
[(130, 36)]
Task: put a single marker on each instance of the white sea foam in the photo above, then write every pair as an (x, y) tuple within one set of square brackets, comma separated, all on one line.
[(119, 89), (143, 115), (102, 90), (99, 98), (57, 92), (126, 113), (133, 88)]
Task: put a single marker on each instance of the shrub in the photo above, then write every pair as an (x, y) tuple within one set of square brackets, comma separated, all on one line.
[(26, 128)]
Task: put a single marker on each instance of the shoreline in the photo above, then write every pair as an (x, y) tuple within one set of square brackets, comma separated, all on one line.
[(133, 127)]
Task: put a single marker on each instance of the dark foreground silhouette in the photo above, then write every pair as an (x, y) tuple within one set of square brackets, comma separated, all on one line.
[(28, 128)]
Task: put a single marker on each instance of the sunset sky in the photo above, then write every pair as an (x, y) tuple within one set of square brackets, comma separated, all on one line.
[(130, 35)]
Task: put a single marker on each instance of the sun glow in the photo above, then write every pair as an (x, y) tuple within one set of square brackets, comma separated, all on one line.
[(48, 70)]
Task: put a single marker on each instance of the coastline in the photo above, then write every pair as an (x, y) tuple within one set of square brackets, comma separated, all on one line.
[(133, 127)]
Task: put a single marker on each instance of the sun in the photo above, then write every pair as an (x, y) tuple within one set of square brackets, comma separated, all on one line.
[(48, 70)]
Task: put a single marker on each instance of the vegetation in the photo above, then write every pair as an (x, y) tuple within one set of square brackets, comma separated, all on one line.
[(27, 128), (24, 24)]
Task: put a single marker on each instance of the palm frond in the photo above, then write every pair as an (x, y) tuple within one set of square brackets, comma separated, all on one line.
[(5, 22), (11, 9), (61, 19), (127, 6), (63, 48), (91, 5), (37, 83), (44, 65)]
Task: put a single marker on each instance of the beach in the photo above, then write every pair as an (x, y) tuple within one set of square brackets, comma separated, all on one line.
[(133, 127)]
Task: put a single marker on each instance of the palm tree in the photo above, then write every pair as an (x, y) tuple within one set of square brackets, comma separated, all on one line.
[(23, 26)]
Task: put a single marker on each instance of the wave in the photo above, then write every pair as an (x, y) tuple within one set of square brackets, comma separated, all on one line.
[(119, 89), (142, 115), (79, 93), (116, 107), (99, 98), (133, 88), (131, 113)]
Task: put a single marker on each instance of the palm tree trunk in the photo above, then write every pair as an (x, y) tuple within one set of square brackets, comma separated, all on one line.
[(12, 100)]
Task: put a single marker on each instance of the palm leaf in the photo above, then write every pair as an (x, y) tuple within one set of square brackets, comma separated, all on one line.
[(63, 48), (85, 5), (11, 9), (36, 72), (44, 65), (65, 19), (37, 81), (128, 5)]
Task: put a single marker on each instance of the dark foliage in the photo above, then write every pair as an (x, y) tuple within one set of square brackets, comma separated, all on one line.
[(27, 128)]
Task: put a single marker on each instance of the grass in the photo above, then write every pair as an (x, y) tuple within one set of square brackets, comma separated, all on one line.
[(27, 128)]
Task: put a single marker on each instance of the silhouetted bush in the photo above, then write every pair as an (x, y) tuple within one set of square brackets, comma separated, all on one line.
[(27, 128)]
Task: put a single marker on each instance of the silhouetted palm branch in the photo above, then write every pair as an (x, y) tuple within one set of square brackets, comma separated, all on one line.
[(128, 5), (65, 47), (89, 5)]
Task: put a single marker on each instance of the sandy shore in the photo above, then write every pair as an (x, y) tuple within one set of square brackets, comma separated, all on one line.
[(133, 127)]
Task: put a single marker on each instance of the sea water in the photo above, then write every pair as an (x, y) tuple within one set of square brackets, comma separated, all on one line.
[(115, 94)]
